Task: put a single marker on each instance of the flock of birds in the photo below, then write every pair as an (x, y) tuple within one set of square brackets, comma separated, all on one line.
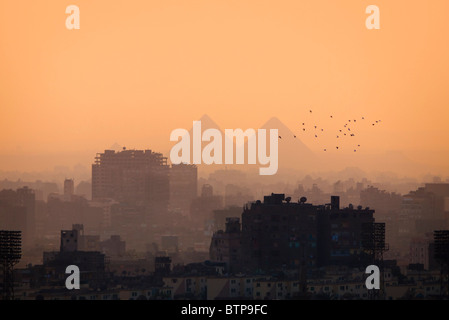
[(348, 130)]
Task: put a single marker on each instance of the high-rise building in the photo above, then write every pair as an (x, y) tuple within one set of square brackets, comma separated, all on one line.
[(69, 189), (132, 176), (183, 187)]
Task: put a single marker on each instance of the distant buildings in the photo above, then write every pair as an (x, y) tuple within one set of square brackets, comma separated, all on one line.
[(18, 212), (202, 207)]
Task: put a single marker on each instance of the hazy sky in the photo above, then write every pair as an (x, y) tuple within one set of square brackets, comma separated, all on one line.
[(138, 69)]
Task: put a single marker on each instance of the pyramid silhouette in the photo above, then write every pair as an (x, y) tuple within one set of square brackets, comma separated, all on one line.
[(292, 152)]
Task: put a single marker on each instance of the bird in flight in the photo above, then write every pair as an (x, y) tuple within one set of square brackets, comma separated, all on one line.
[(280, 137), (337, 147), (310, 111), (294, 136)]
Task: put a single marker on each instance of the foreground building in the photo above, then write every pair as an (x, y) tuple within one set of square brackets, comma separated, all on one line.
[(279, 234)]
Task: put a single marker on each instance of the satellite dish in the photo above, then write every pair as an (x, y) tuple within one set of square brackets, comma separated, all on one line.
[(288, 199), (303, 200)]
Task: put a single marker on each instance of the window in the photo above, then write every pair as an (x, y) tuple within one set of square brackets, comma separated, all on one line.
[(232, 281), (342, 288), (134, 294)]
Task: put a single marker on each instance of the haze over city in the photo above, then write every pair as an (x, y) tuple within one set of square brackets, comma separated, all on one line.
[(361, 175)]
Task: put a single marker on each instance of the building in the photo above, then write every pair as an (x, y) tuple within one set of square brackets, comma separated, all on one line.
[(18, 212), (183, 187), (341, 231), (202, 208), (62, 214), (113, 247), (278, 234), (92, 264), (69, 189), (138, 177), (221, 215), (226, 245)]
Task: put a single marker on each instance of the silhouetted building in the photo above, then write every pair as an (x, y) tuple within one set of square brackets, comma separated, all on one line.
[(113, 247), (17, 212), (183, 187), (69, 189), (63, 214), (162, 266), (386, 203), (132, 176), (226, 245), (91, 263), (280, 234), (221, 215), (424, 210), (419, 251), (69, 240), (341, 231)]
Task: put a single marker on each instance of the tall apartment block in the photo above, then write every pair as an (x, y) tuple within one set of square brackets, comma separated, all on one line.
[(137, 177)]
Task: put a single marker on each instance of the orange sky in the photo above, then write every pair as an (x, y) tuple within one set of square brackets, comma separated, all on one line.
[(138, 69)]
